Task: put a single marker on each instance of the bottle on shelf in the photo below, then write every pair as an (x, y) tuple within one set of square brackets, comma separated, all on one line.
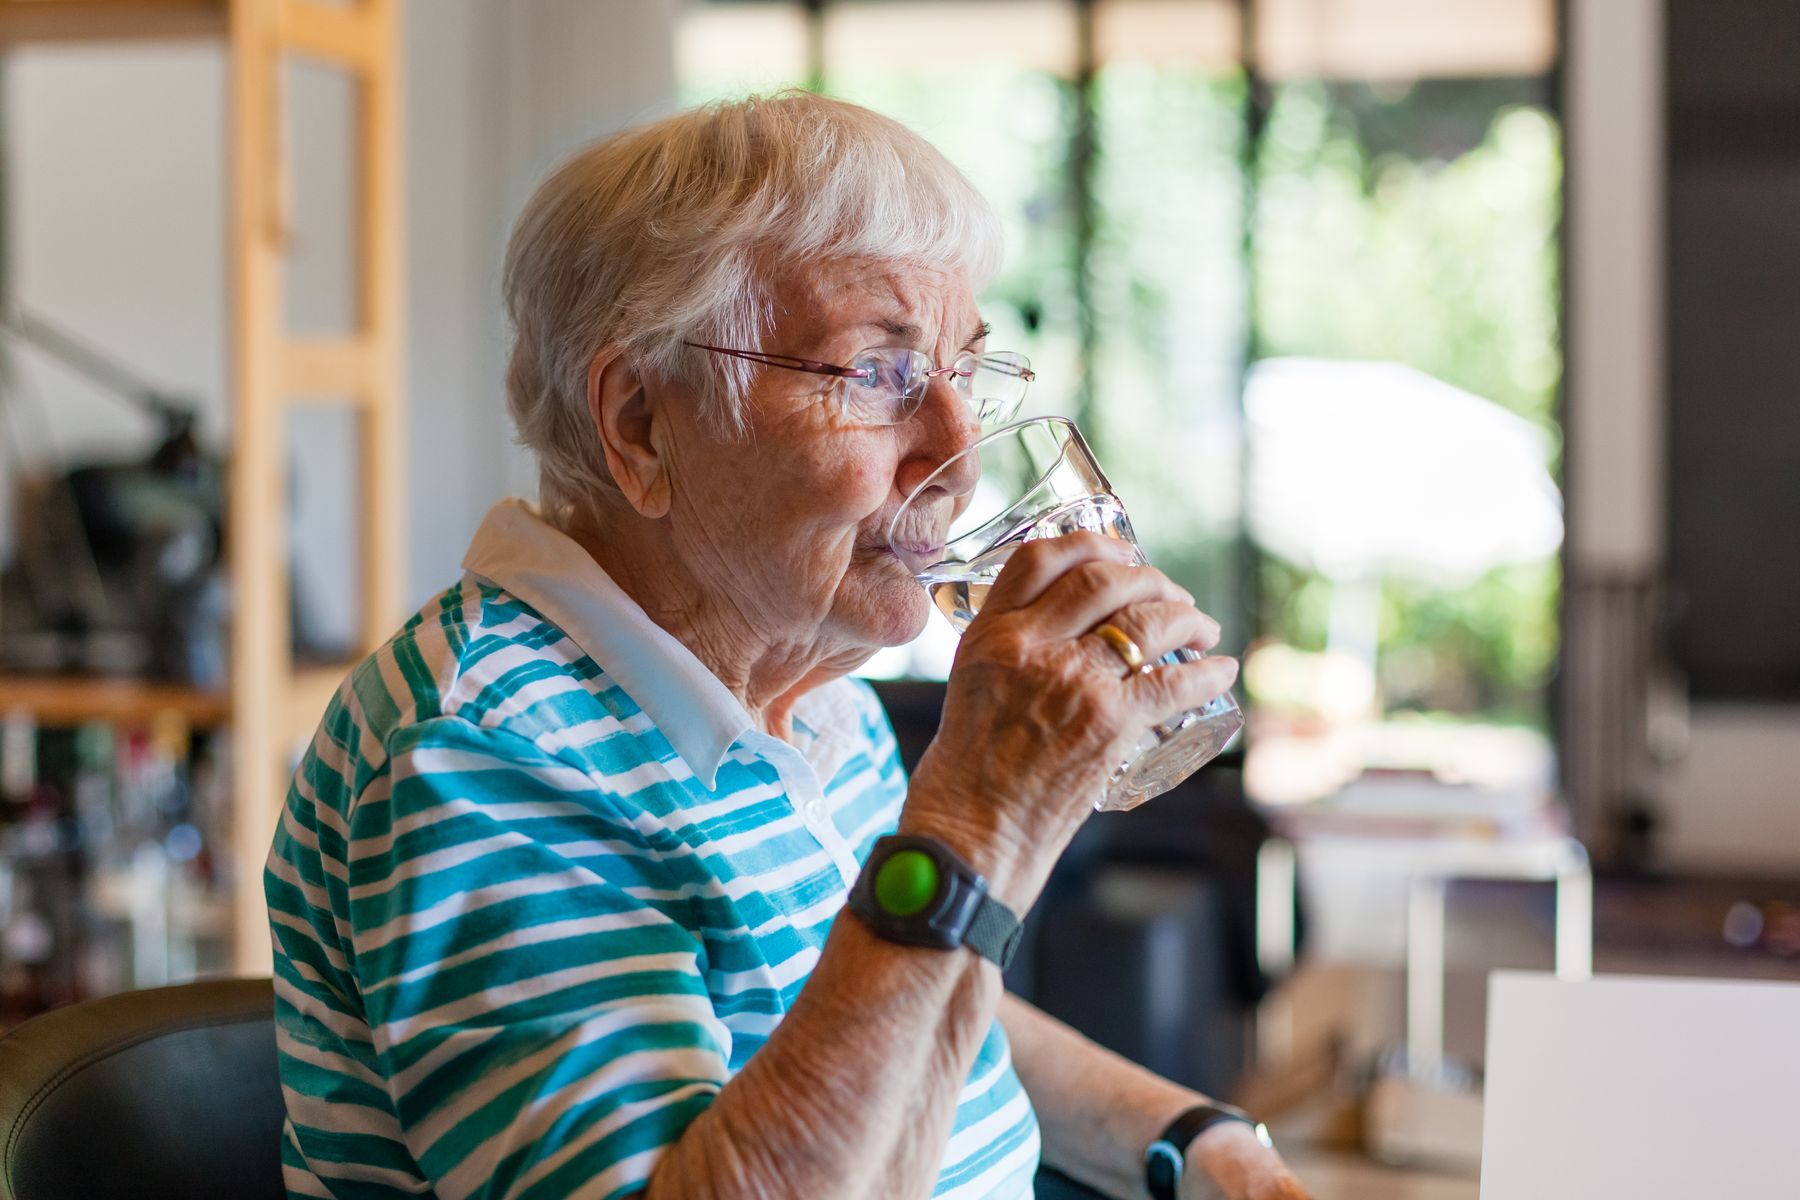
[(111, 868)]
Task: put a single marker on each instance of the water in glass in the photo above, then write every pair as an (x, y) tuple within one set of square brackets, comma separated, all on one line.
[(1052, 486)]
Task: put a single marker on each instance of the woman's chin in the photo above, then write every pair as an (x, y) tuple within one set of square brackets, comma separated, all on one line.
[(904, 618), (892, 612)]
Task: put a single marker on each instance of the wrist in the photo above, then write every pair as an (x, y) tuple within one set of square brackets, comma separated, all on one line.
[(915, 889), (1013, 848), (981, 837), (1209, 1143), (1228, 1154), (1009, 872)]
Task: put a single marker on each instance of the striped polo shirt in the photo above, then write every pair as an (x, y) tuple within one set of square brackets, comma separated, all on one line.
[(541, 888)]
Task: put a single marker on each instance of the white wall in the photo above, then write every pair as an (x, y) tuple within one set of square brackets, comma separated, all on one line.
[(461, 446), (574, 71), (1732, 802), (116, 218), (115, 207), (498, 92)]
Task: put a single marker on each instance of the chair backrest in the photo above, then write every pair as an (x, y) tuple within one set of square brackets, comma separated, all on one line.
[(170, 1092)]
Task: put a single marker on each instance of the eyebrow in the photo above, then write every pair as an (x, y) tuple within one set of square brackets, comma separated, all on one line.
[(912, 333), (899, 329)]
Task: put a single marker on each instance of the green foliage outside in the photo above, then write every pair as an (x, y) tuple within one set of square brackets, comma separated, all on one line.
[(1168, 287), (1446, 262), (1414, 224)]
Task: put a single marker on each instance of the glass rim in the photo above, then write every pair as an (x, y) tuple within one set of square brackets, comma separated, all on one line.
[(1069, 432)]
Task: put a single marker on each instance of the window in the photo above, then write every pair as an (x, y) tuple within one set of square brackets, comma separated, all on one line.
[(1215, 207)]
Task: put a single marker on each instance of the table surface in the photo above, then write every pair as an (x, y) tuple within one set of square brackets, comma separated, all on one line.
[(1335, 1175)]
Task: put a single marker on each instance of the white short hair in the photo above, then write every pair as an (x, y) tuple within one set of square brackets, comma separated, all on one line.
[(673, 232)]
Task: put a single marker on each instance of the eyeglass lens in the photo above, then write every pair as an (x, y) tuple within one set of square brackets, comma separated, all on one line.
[(993, 385)]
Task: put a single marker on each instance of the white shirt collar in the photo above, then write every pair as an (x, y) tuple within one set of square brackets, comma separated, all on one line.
[(518, 550)]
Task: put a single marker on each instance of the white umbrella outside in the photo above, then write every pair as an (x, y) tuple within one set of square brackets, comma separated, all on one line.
[(1361, 470)]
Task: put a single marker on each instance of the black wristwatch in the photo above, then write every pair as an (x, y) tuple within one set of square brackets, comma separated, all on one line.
[(1166, 1156), (916, 891)]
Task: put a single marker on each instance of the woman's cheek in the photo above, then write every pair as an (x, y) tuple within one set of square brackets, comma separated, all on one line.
[(872, 480), (846, 492)]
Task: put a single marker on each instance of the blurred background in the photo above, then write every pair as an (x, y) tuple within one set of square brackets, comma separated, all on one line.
[(1441, 347)]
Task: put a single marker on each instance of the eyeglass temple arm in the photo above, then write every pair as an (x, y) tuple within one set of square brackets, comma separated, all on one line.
[(786, 361), (991, 363)]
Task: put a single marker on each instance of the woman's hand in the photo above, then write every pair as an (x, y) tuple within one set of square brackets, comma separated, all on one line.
[(1040, 712), (1229, 1162)]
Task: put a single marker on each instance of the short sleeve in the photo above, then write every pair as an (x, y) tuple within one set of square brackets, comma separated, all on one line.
[(538, 1007)]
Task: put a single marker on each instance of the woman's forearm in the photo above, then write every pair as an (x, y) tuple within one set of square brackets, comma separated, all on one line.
[(1098, 1111), (855, 1093)]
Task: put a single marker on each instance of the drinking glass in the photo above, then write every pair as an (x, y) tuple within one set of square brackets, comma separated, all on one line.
[(1037, 479)]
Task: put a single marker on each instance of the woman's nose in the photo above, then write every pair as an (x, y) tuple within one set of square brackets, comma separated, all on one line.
[(944, 427)]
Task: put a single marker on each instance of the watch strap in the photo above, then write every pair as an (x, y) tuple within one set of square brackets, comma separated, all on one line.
[(1166, 1155), (994, 932), (959, 912)]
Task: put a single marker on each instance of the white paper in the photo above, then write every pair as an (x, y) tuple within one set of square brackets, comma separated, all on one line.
[(1641, 1089)]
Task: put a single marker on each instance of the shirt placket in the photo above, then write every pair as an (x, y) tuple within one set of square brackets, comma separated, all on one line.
[(801, 783)]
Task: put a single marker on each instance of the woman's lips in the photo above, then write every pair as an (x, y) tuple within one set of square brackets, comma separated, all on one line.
[(906, 554), (918, 549)]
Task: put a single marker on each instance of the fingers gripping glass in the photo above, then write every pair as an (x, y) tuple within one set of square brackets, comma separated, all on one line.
[(886, 386), (1038, 479)]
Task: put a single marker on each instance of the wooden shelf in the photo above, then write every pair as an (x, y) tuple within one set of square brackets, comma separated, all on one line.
[(307, 696), (272, 702), (68, 700), (107, 20)]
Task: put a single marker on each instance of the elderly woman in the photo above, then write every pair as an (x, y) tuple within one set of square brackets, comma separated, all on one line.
[(562, 893)]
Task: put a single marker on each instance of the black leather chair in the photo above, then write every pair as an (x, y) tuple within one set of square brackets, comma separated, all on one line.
[(167, 1094), (171, 1092)]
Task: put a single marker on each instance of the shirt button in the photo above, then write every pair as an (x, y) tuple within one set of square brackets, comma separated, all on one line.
[(814, 812)]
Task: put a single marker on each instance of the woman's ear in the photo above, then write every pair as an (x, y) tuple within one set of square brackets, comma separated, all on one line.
[(632, 432)]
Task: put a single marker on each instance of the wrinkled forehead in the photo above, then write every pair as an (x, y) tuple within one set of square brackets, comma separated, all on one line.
[(854, 303)]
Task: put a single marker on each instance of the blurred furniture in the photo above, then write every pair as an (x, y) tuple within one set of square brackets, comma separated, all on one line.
[(273, 705), (1145, 936), (1132, 956), (1428, 865), (165, 1093), (1421, 1108), (1623, 710)]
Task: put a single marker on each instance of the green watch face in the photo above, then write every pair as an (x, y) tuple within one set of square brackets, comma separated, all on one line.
[(906, 883)]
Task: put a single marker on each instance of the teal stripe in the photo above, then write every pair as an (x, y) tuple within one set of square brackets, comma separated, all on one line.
[(544, 897)]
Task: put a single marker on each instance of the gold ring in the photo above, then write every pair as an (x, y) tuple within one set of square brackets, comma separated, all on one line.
[(1123, 646)]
